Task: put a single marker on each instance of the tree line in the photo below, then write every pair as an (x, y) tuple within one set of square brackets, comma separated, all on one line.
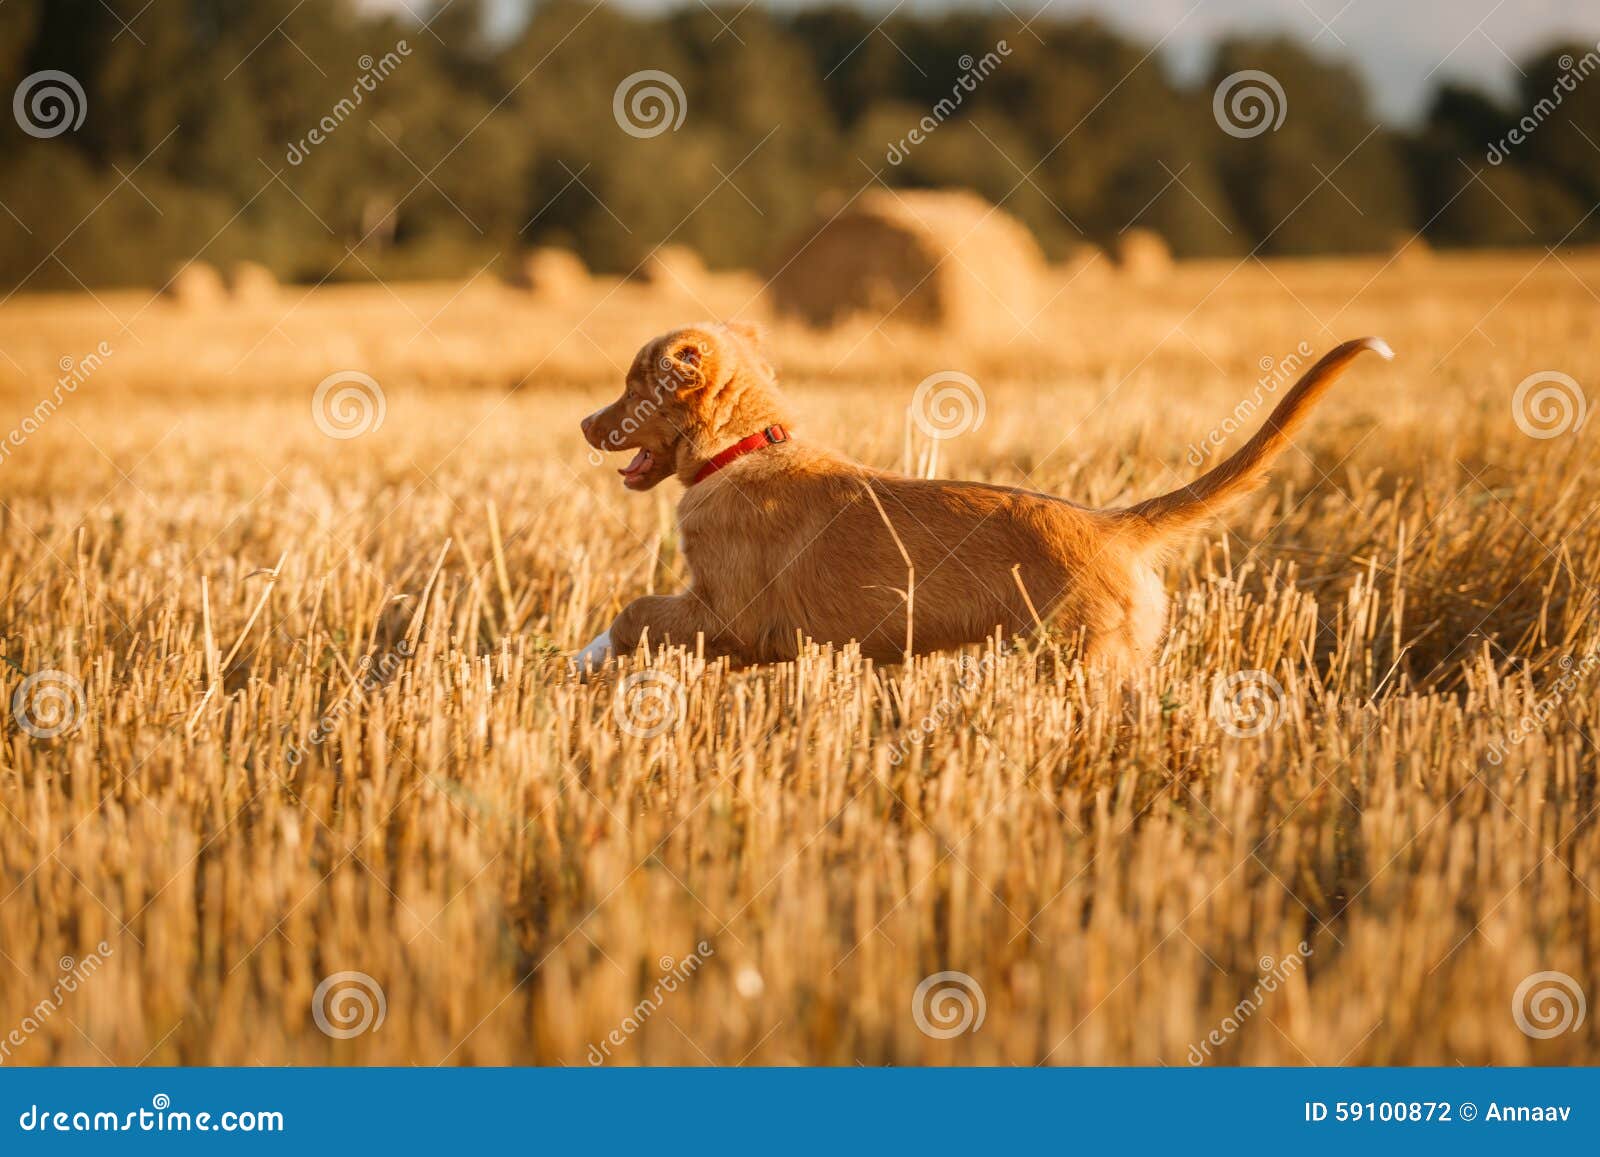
[(329, 142)]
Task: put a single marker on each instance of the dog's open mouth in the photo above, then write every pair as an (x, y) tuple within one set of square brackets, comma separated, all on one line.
[(638, 469)]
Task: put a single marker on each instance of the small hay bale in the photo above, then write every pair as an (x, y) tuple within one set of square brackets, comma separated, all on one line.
[(550, 272), (1142, 254), (251, 281), (936, 258), (675, 268), (1086, 264), (195, 285), (1409, 249)]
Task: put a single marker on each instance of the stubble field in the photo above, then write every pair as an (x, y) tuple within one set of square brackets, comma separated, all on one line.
[(284, 706)]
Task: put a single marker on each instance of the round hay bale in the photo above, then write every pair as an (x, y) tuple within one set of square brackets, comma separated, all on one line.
[(1409, 249), (672, 267), (938, 258), (251, 281), (195, 285), (551, 272), (1142, 254), (1086, 264)]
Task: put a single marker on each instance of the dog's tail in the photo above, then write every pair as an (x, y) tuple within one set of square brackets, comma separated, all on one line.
[(1183, 509)]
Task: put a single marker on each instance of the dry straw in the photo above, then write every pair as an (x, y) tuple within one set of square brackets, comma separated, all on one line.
[(475, 833)]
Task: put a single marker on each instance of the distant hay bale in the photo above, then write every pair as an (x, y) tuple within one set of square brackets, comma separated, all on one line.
[(251, 281), (1142, 254), (1086, 264), (195, 285), (672, 267), (1409, 249), (944, 258), (550, 272)]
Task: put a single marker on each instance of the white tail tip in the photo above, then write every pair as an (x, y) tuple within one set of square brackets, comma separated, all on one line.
[(1380, 347)]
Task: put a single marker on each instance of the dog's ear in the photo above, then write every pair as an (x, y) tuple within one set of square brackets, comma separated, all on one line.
[(685, 361)]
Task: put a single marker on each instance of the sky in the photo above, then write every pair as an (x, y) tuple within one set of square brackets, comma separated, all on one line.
[(1404, 47)]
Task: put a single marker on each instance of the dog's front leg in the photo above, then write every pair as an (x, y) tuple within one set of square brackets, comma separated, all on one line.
[(667, 619), (677, 620), (597, 654)]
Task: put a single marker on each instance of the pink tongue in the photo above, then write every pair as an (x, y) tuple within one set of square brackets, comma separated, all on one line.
[(640, 461)]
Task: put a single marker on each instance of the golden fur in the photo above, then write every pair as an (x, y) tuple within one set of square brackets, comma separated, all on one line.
[(794, 541)]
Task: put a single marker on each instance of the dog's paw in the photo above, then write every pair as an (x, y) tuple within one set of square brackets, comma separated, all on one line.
[(596, 655)]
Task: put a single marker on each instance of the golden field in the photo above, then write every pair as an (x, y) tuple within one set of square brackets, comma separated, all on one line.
[(1114, 868)]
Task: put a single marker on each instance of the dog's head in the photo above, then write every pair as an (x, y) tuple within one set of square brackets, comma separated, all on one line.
[(687, 394)]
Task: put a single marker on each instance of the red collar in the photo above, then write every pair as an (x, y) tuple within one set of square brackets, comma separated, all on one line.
[(771, 436)]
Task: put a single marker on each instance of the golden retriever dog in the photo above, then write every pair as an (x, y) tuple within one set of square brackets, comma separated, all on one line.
[(786, 540)]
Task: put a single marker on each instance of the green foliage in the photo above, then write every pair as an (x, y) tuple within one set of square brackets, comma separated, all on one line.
[(254, 128)]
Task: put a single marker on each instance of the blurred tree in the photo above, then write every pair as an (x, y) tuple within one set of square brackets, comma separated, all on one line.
[(1328, 178), (1560, 94), (1476, 187), (331, 139)]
